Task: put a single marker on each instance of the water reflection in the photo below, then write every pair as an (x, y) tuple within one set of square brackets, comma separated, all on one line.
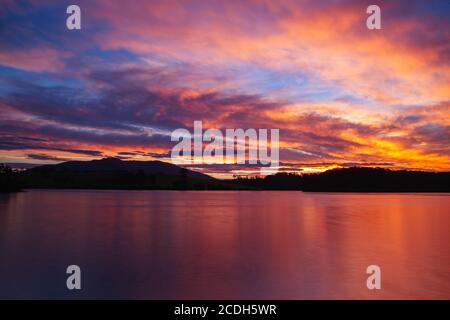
[(223, 245)]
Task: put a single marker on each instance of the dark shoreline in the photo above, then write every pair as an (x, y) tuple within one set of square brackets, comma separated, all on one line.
[(114, 174)]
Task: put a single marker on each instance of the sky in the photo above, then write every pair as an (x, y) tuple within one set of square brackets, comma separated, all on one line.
[(341, 94)]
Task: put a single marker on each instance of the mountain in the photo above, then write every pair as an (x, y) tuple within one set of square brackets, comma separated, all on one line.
[(112, 173), (114, 164)]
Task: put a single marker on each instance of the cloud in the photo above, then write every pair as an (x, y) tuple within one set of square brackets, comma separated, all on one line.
[(39, 156), (339, 93), (34, 59)]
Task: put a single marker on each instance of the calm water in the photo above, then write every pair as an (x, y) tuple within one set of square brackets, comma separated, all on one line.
[(224, 245)]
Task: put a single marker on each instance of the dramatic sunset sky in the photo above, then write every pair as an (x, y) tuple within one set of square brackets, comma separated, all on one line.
[(340, 94)]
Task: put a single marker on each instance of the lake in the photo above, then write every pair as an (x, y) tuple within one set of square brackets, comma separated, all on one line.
[(223, 244)]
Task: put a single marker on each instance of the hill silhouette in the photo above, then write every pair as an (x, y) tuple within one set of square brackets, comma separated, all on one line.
[(355, 179), (112, 173), (114, 164)]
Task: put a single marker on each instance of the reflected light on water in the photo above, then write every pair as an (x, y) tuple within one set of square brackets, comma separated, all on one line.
[(224, 244)]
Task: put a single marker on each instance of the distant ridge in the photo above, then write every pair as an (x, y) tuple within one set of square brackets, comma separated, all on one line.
[(355, 179), (115, 164), (113, 173)]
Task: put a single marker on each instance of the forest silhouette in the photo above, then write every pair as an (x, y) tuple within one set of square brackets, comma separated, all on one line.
[(111, 173)]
